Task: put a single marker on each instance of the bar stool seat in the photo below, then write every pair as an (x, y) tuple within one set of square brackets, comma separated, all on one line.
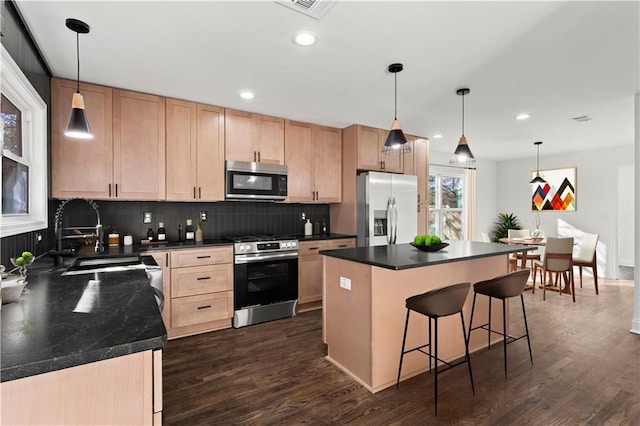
[(502, 287), (434, 304)]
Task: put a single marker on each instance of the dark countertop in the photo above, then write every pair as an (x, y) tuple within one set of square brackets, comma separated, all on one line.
[(42, 333), (302, 237), (405, 256)]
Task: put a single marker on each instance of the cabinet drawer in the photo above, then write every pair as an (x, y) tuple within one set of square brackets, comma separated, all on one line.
[(198, 257), (308, 248), (193, 310), (201, 279), (338, 244)]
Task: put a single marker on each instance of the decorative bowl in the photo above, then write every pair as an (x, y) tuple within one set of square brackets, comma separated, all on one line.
[(432, 247), (12, 286)]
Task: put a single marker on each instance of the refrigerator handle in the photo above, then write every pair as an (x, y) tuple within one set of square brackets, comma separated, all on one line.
[(389, 229), (395, 220)]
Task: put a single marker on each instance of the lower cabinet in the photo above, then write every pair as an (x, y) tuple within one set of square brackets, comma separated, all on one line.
[(198, 288), (116, 391), (310, 270)]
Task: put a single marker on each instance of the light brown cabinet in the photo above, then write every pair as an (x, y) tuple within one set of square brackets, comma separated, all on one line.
[(253, 137), (195, 151), (81, 167), (310, 270), (369, 142), (201, 290), (126, 157), (417, 163), (313, 155)]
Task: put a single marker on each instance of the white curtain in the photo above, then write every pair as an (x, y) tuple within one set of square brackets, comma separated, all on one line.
[(469, 204)]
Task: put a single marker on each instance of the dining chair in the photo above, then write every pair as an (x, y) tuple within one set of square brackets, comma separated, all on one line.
[(558, 258), (485, 237), (523, 233), (587, 257)]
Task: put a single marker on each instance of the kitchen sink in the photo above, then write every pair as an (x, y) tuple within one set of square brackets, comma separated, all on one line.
[(90, 265)]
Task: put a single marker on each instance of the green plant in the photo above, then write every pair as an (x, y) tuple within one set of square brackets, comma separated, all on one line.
[(505, 222)]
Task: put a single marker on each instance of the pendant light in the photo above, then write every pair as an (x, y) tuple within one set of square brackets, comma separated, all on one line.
[(463, 155), (538, 179), (396, 140), (78, 126)]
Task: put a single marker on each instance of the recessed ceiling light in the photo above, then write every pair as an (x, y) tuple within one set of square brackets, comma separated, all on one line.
[(437, 136), (245, 94), (304, 39), (522, 116)]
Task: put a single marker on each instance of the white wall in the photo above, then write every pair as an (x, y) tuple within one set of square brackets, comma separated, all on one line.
[(596, 196), (625, 216), (486, 178)]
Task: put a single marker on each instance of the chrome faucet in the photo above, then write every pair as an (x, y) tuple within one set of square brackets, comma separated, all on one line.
[(98, 234)]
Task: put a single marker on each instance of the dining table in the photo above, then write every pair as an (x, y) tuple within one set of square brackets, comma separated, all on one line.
[(523, 241)]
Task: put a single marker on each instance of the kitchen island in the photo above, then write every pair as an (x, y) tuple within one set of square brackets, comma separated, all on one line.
[(365, 289), (82, 349)]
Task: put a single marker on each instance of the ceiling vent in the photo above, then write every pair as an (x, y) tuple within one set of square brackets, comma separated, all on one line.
[(313, 8), (582, 119)]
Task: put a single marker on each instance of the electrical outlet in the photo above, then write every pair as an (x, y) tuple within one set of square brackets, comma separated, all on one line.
[(302, 216), (146, 217), (203, 216), (345, 283)]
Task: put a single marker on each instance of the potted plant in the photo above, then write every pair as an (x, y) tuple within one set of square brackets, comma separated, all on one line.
[(505, 222)]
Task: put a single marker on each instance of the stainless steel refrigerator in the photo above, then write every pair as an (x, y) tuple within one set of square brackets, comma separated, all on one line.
[(387, 208)]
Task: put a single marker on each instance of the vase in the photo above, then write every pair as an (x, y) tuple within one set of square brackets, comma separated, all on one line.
[(199, 234)]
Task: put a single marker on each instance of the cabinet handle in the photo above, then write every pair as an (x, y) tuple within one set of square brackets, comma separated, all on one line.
[(203, 278), (342, 245), (384, 165), (194, 192), (418, 198), (166, 260), (258, 156), (254, 156), (116, 190), (314, 248), (203, 257), (200, 192), (109, 190), (204, 307)]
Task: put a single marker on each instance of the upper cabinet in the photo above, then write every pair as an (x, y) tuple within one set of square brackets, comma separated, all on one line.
[(417, 163), (138, 146), (253, 137), (125, 159), (370, 141), (314, 162), (81, 167), (195, 151)]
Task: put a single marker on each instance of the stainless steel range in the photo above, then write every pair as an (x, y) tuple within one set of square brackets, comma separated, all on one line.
[(265, 283)]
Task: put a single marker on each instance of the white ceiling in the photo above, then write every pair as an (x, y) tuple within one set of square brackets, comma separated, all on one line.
[(554, 60)]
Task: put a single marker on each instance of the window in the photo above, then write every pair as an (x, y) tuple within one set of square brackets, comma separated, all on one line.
[(446, 214), (23, 137)]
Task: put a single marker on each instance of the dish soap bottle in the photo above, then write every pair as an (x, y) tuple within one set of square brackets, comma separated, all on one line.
[(162, 232), (308, 228), (150, 235)]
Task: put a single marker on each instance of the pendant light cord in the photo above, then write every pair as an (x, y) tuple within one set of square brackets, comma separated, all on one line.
[(395, 101), (78, 58), (463, 115)]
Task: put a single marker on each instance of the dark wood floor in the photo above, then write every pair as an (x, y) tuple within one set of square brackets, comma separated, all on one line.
[(586, 371)]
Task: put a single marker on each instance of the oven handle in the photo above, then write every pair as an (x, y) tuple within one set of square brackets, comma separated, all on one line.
[(263, 257)]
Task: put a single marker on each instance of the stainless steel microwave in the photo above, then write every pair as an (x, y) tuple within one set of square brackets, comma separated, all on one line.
[(255, 181)]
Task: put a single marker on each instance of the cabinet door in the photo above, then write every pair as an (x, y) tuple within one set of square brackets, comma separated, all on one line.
[(327, 164), (298, 160), (139, 146), (162, 259), (81, 167), (181, 150), (240, 134), (270, 139), (421, 165), (342, 243), (368, 148), (390, 162), (310, 271), (408, 165), (210, 153), (192, 310)]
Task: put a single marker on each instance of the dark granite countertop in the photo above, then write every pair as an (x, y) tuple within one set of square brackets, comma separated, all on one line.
[(302, 237), (405, 256), (65, 321)]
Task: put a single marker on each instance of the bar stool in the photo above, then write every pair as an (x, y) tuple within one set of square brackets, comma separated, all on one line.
[(434, 304), (503, 287)]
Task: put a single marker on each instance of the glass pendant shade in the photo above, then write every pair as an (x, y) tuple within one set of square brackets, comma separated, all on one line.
[(396, 140), (78, 126), (463, 155), (538, 179)]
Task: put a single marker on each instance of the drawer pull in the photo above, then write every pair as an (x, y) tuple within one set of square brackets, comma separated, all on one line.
[(204, 257), (204, 278), (204, 307), (314, 248), (342, 245)]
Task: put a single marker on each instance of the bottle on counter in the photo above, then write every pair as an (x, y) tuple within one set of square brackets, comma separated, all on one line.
[(114, 237), (162, 233), (128, 239), (180, 235), (199, 232), (324, 228), (316, 227), (150, 235), (308, 227), (189, 231)]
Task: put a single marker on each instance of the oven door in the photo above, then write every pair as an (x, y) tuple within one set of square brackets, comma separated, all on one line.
[(265, 279)]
